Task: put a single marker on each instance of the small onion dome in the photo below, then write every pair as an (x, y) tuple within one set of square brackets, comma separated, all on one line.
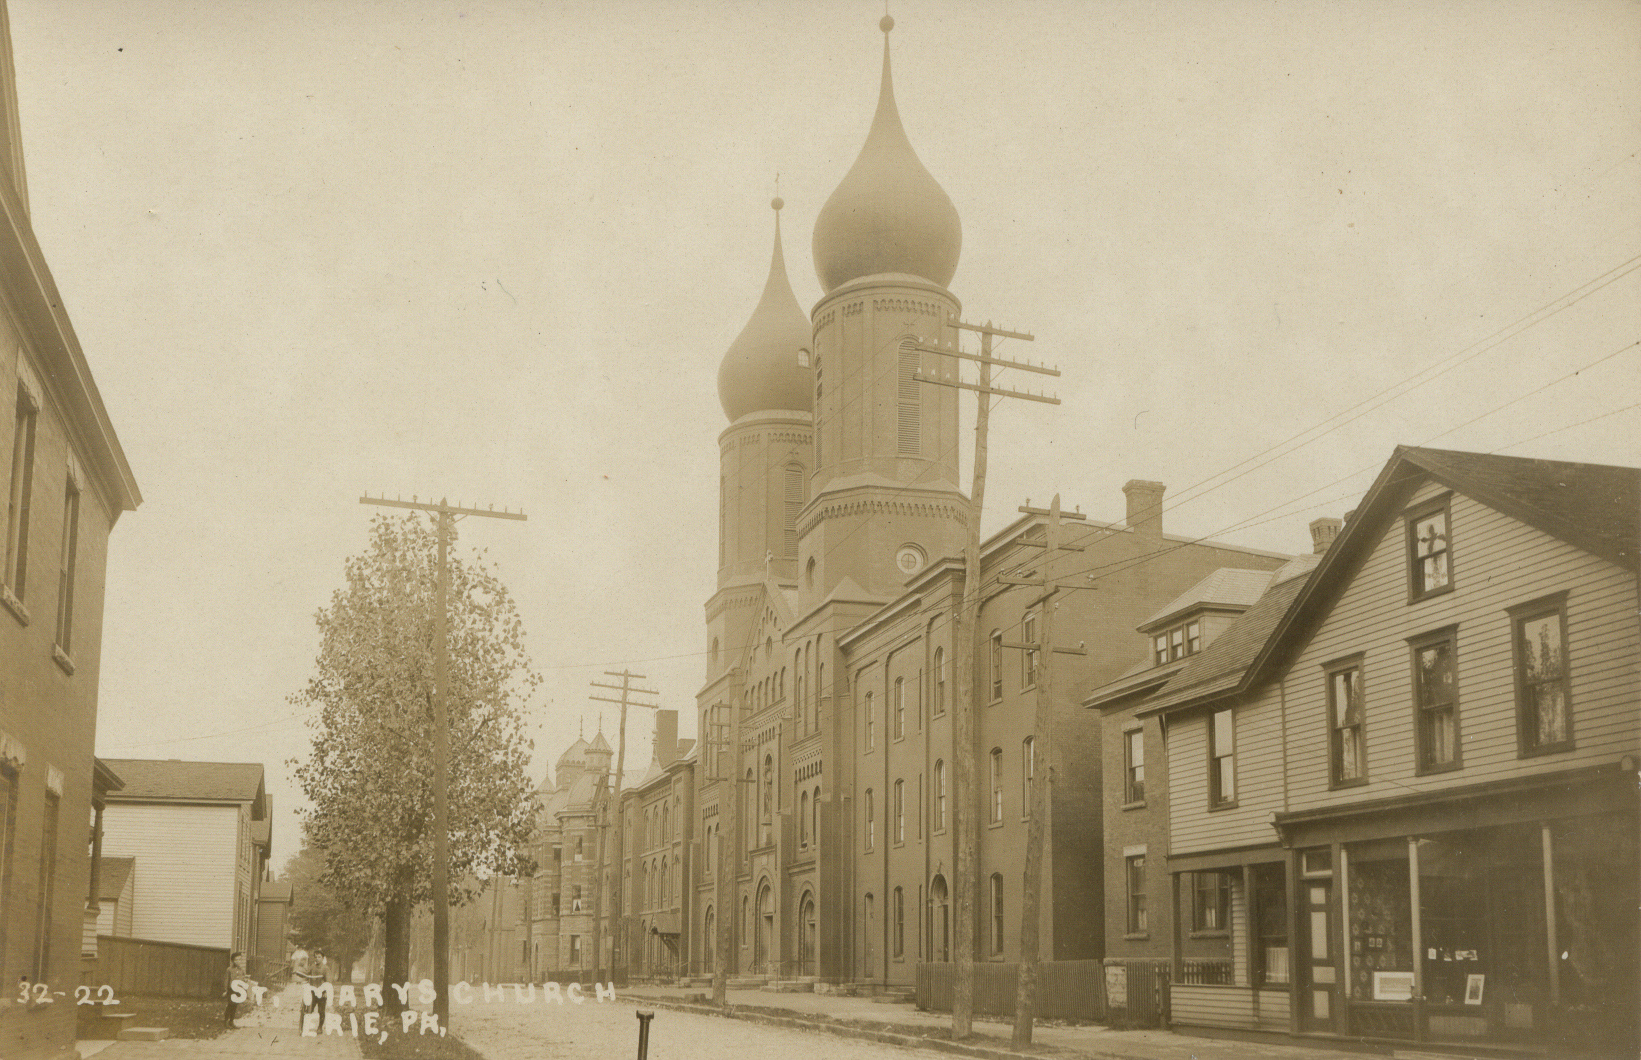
[(888, 214), (764, 368)]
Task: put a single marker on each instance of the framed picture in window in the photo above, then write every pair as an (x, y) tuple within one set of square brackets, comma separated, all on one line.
[(1393, 986), (1473, 985)]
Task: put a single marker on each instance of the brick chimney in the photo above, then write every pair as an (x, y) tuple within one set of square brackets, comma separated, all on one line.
[(1323, 531), (666, 737), (1145, 508)]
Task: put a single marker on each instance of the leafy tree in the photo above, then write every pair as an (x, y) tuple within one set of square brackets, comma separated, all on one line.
[(319, 918), (369, 773)]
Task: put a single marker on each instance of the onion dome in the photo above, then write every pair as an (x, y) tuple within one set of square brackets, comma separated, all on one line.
[(888, 214), (762, 369)]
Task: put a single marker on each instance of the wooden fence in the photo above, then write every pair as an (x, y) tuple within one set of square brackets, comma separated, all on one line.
[(160, 969), (1066, 990)]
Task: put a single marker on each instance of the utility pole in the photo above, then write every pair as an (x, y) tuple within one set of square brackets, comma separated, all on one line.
[(445, 513), (1041, 652), (964, 639), (627, 692)]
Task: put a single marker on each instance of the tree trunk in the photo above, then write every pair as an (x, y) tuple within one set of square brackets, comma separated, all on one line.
[(395, 953)]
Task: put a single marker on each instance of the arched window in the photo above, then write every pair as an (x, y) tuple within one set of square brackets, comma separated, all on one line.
[(996, 784), (997, 912), (809, 574), (714, 653), (814, 816), (940, 795), (793, 505), (1028, 770), (747, 803), (723, 520), (939, 681), (909, 402), (900, 811), (746, 918), (900, 707), (769, 787), (803, 820), (996, 664), (871, 825), (868, 722), (818, 417), (1028, 658), (899, 914), (710, 931)]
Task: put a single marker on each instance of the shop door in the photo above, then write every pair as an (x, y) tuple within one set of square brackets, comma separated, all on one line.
[(1319, 988)]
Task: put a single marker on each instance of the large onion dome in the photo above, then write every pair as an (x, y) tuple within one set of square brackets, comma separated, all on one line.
[(888, 214), (764, 367)]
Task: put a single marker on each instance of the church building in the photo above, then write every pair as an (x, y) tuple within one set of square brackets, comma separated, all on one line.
[(825, 802)]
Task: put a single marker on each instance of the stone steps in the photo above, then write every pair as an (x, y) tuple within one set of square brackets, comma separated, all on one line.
[(144, 1034)]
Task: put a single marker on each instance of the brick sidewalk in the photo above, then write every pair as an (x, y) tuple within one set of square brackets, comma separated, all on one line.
[(267, 1030), (991, 1037)]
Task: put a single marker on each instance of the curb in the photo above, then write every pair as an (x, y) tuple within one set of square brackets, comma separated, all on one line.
[(886, 1037)]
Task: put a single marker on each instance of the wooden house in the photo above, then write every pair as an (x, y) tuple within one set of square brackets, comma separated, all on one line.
[(199, 833), (1402, 792)]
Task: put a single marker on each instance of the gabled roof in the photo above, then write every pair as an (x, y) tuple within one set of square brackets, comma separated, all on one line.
[(276, 890), (1594, 506), (112, 876), (149, 780), (1226, 587)]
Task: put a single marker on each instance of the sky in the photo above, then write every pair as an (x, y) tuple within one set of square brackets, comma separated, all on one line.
[(494, 251)]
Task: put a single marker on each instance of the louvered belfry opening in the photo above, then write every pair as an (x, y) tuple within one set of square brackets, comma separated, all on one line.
[(910, 401), (794, 505)]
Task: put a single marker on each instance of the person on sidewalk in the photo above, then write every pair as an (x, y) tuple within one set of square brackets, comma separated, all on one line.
[(236, 970)]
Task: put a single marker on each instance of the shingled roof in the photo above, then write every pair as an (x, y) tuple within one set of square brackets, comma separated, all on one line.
[(1222, 665), (1596, 507), (150, 780)]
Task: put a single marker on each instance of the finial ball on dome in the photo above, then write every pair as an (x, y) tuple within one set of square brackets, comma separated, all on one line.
[(886, 23), (777, 202)]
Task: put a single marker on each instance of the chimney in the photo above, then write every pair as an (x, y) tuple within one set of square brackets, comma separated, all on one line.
[(1323, 531), (1145, 508), (666, 737)]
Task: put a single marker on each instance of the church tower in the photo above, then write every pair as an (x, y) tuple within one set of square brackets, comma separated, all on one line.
[(885, 489), (765, 457)]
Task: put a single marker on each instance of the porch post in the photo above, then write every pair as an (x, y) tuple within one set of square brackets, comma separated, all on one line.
[(1418, 938), (1341, 887), (1552, 945), (1178, 969), (1291, 873)]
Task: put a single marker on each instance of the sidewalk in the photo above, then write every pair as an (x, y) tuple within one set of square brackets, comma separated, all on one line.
[(991, 1036), (266, 1030)]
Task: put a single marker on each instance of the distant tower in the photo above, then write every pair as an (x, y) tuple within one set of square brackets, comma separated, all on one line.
[(765, 457), (885, 490)]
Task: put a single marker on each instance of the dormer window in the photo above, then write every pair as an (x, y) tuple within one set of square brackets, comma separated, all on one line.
[(1171, 645)]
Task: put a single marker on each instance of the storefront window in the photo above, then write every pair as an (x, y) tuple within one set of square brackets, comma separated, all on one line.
[(1481, 901), (1381, 920)]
